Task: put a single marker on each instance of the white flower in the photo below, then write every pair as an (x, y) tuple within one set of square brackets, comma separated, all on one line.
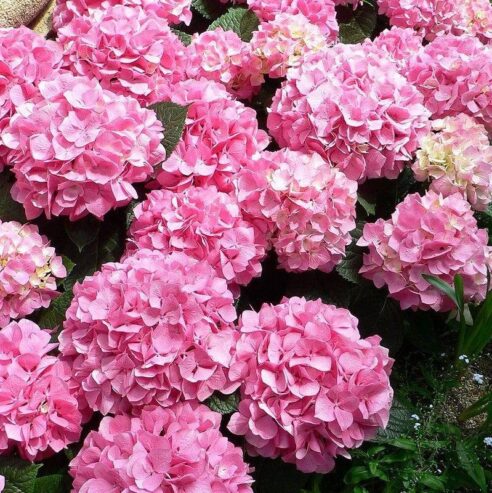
[(488, 441), (477, 378)]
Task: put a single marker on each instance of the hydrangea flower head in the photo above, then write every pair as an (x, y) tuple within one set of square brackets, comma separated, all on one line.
[(349, 104), (311, 388), (179, 449), (39, 414), (29, 268), (457, 156), (154, 329), (431, 235), (79, 149)]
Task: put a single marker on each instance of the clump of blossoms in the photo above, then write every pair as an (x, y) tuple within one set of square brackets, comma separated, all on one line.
[(350, 104), (221, 135), (457, 156), (172, 11), (130, 50), (282, 42), (29, 268), (454, 75), (180, 449), (311, 388), (79, 149), (39, 414), (154, 329), (223, 57), (205, 224), (431, 235)]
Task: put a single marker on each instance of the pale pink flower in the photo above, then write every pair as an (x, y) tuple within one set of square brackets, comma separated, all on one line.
[(2, 483), (39, 415), (154, 329), (174, 450), (311, 388), (29, 268), (349, 104), (79, 149), (221, 136), (431, 235), (457, 156)]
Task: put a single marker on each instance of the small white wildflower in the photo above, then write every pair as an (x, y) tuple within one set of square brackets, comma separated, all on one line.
[(439, 471), (431, 406), (464, 357), (477, 378), (416, 417), (488, 441), (443, 354), (417, 426)]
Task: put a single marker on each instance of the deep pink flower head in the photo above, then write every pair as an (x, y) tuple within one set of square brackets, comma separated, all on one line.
[(172, 11), (457, 156), (154, 329), (79, 149), (223, 57), (221, 136), (350, 104), (174, 450), (282, 42), (205, 224), (454, 74), (311, 388), (427, 235), (130, 50), (319, 12), (39, 414), (28, 270)]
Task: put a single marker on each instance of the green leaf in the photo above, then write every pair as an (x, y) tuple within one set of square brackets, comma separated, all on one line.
[(54, 315), (130, 213), (400, 422), (210, 9), (403, 443), (360, 27), (357, 474), (223, 404), (242, 21), (185, 38), (459, 292), (367, 206), (442, 286), (83, 232), (173, 118), (433, 482), (20, 476), (55, 483), (69, 265), (470, 462), (10, 210), (481, 333), (349, 267)]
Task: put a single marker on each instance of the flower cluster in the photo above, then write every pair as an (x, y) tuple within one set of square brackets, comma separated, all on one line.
[(130, 50), (311, 388), (457, 155), (221, 135), (430, 235), (154, 329), (39, 414), (454, 75), (28, 270), (78, 149), (179, 449), (352, 106)]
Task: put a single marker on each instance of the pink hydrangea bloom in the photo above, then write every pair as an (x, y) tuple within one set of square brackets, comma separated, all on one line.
[(432, 235), (173, 11), (311, 388), (454, 74), (178, 450), (205, 224), (28, 270), (319, 12), (79, 149), (223, 57), (457, 156), (221, 136), (282, 42), (350, 104), (129, 50), (39, 415), (2, 483), (154, 329)]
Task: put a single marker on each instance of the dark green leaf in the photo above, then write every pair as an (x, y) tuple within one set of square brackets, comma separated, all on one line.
[(349, 267), (442, 286), (54, 315), (357, 474), (275, 476), (360, 27), (10, 210), (173, 118), (223, 404), (55, 483), (481, 333), (20, 476), (185, 38), (242, 21), (210, 9), (83, 232), (130, 215), (69, 265), (433, 482), (459, 292), (400, 422), (367, 206), (469, 461)]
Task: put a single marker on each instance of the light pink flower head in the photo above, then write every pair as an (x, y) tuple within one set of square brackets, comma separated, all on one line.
[(431, 235), (131, 51), (205, 224), (221, 135), (39, 415), (454, 74), (282, 42), (223, 57), (457, 156), (349, 104), (79, 149), (178, 450), (311, 388), (172, 11), (28, 270), (154, 329)]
